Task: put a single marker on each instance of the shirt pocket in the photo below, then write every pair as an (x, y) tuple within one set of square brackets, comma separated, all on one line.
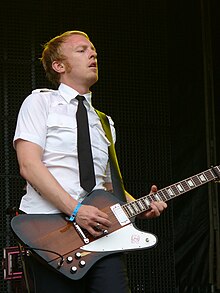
[(61, 133)]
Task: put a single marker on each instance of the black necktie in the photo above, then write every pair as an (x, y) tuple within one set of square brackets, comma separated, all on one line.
[(86, 167)]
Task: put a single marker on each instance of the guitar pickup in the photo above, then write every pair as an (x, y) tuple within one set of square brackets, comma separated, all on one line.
[(120, 214)]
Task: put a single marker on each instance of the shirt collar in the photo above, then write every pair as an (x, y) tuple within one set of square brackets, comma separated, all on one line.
[(69, 94)]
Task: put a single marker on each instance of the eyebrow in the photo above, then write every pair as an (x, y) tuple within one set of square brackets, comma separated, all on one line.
[(85, 46)]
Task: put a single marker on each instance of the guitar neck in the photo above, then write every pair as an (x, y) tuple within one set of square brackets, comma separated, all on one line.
[(142, 204)]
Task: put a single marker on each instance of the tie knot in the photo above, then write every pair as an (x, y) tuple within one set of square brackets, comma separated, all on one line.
[(80, 98)]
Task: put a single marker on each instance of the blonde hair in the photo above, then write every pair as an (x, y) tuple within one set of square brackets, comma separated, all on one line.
[(53, 53)]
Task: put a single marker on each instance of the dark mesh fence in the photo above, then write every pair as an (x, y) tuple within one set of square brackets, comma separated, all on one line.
[(131, 40)]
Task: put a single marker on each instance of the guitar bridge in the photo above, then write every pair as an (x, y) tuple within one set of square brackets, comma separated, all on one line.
[(80, 232)]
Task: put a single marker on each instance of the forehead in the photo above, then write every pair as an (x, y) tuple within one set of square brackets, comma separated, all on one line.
[(76, 40)]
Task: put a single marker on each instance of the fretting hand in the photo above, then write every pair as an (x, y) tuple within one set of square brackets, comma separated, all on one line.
[(157, 207)]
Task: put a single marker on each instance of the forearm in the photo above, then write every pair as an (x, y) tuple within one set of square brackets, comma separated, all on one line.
[(48, 187)]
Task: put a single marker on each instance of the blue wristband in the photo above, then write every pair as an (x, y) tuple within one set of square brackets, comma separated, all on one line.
[(74, 213)]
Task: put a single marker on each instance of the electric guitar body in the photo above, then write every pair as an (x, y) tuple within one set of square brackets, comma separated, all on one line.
[(59, 244)]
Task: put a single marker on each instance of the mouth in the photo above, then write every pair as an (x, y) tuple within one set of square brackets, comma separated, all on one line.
[(93, 65)]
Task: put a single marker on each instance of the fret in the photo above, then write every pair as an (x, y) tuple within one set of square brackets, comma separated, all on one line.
[(209, 175), (130, 210), (175, 190), (166, 193), (202, 178), (156, 195), (131, 206), (135, 207), (218, 170), (190, 183), (180, 187), (126, 209), (170, 191), (196, 180), (185, 185), (162, 196), (147, 202), (140, 205), (144, 203), (152, 197)]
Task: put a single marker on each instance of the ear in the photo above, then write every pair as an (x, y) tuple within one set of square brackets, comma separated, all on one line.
[(58, 66)]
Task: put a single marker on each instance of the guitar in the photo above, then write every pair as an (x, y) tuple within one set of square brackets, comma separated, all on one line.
[(72, 251)]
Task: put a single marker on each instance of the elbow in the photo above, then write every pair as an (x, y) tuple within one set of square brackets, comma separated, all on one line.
[(29, 158), (25, 169), (23, 172)]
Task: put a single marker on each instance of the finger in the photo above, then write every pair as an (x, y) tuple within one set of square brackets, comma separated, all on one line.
[(161, 205), (102, 214), (154, 211), (101, 218), (158, 207), (94, 232), (98, 227), (103, 222), (151, 214), (153, 189), (91, 214)]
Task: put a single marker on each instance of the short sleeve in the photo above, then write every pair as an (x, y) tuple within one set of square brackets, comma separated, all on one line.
[(31, 122)]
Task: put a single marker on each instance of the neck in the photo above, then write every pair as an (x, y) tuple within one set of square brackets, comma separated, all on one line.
[(81, 89)]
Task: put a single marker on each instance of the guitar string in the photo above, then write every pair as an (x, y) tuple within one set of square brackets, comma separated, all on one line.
[(132, 209)]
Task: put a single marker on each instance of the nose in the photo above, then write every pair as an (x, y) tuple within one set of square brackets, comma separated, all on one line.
[(92, 54)]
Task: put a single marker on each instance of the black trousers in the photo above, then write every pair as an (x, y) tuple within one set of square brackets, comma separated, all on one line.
[(106, 276)]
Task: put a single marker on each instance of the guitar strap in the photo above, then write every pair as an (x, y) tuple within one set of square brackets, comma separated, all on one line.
[(117, 181)]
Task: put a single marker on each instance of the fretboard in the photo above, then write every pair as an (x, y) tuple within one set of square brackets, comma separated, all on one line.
[(143, 204)]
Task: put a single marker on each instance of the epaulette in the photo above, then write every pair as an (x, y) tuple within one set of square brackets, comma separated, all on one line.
[(43, 90)]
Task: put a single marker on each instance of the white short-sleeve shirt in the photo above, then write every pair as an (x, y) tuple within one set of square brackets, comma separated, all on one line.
[(47, 118)]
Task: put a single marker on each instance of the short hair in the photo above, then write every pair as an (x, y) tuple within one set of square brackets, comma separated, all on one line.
[(52, 52)]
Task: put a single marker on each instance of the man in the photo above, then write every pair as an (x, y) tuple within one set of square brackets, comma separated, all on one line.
[(46, 146)]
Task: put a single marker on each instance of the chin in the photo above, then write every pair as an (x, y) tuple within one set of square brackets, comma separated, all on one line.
[(93, 80)]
